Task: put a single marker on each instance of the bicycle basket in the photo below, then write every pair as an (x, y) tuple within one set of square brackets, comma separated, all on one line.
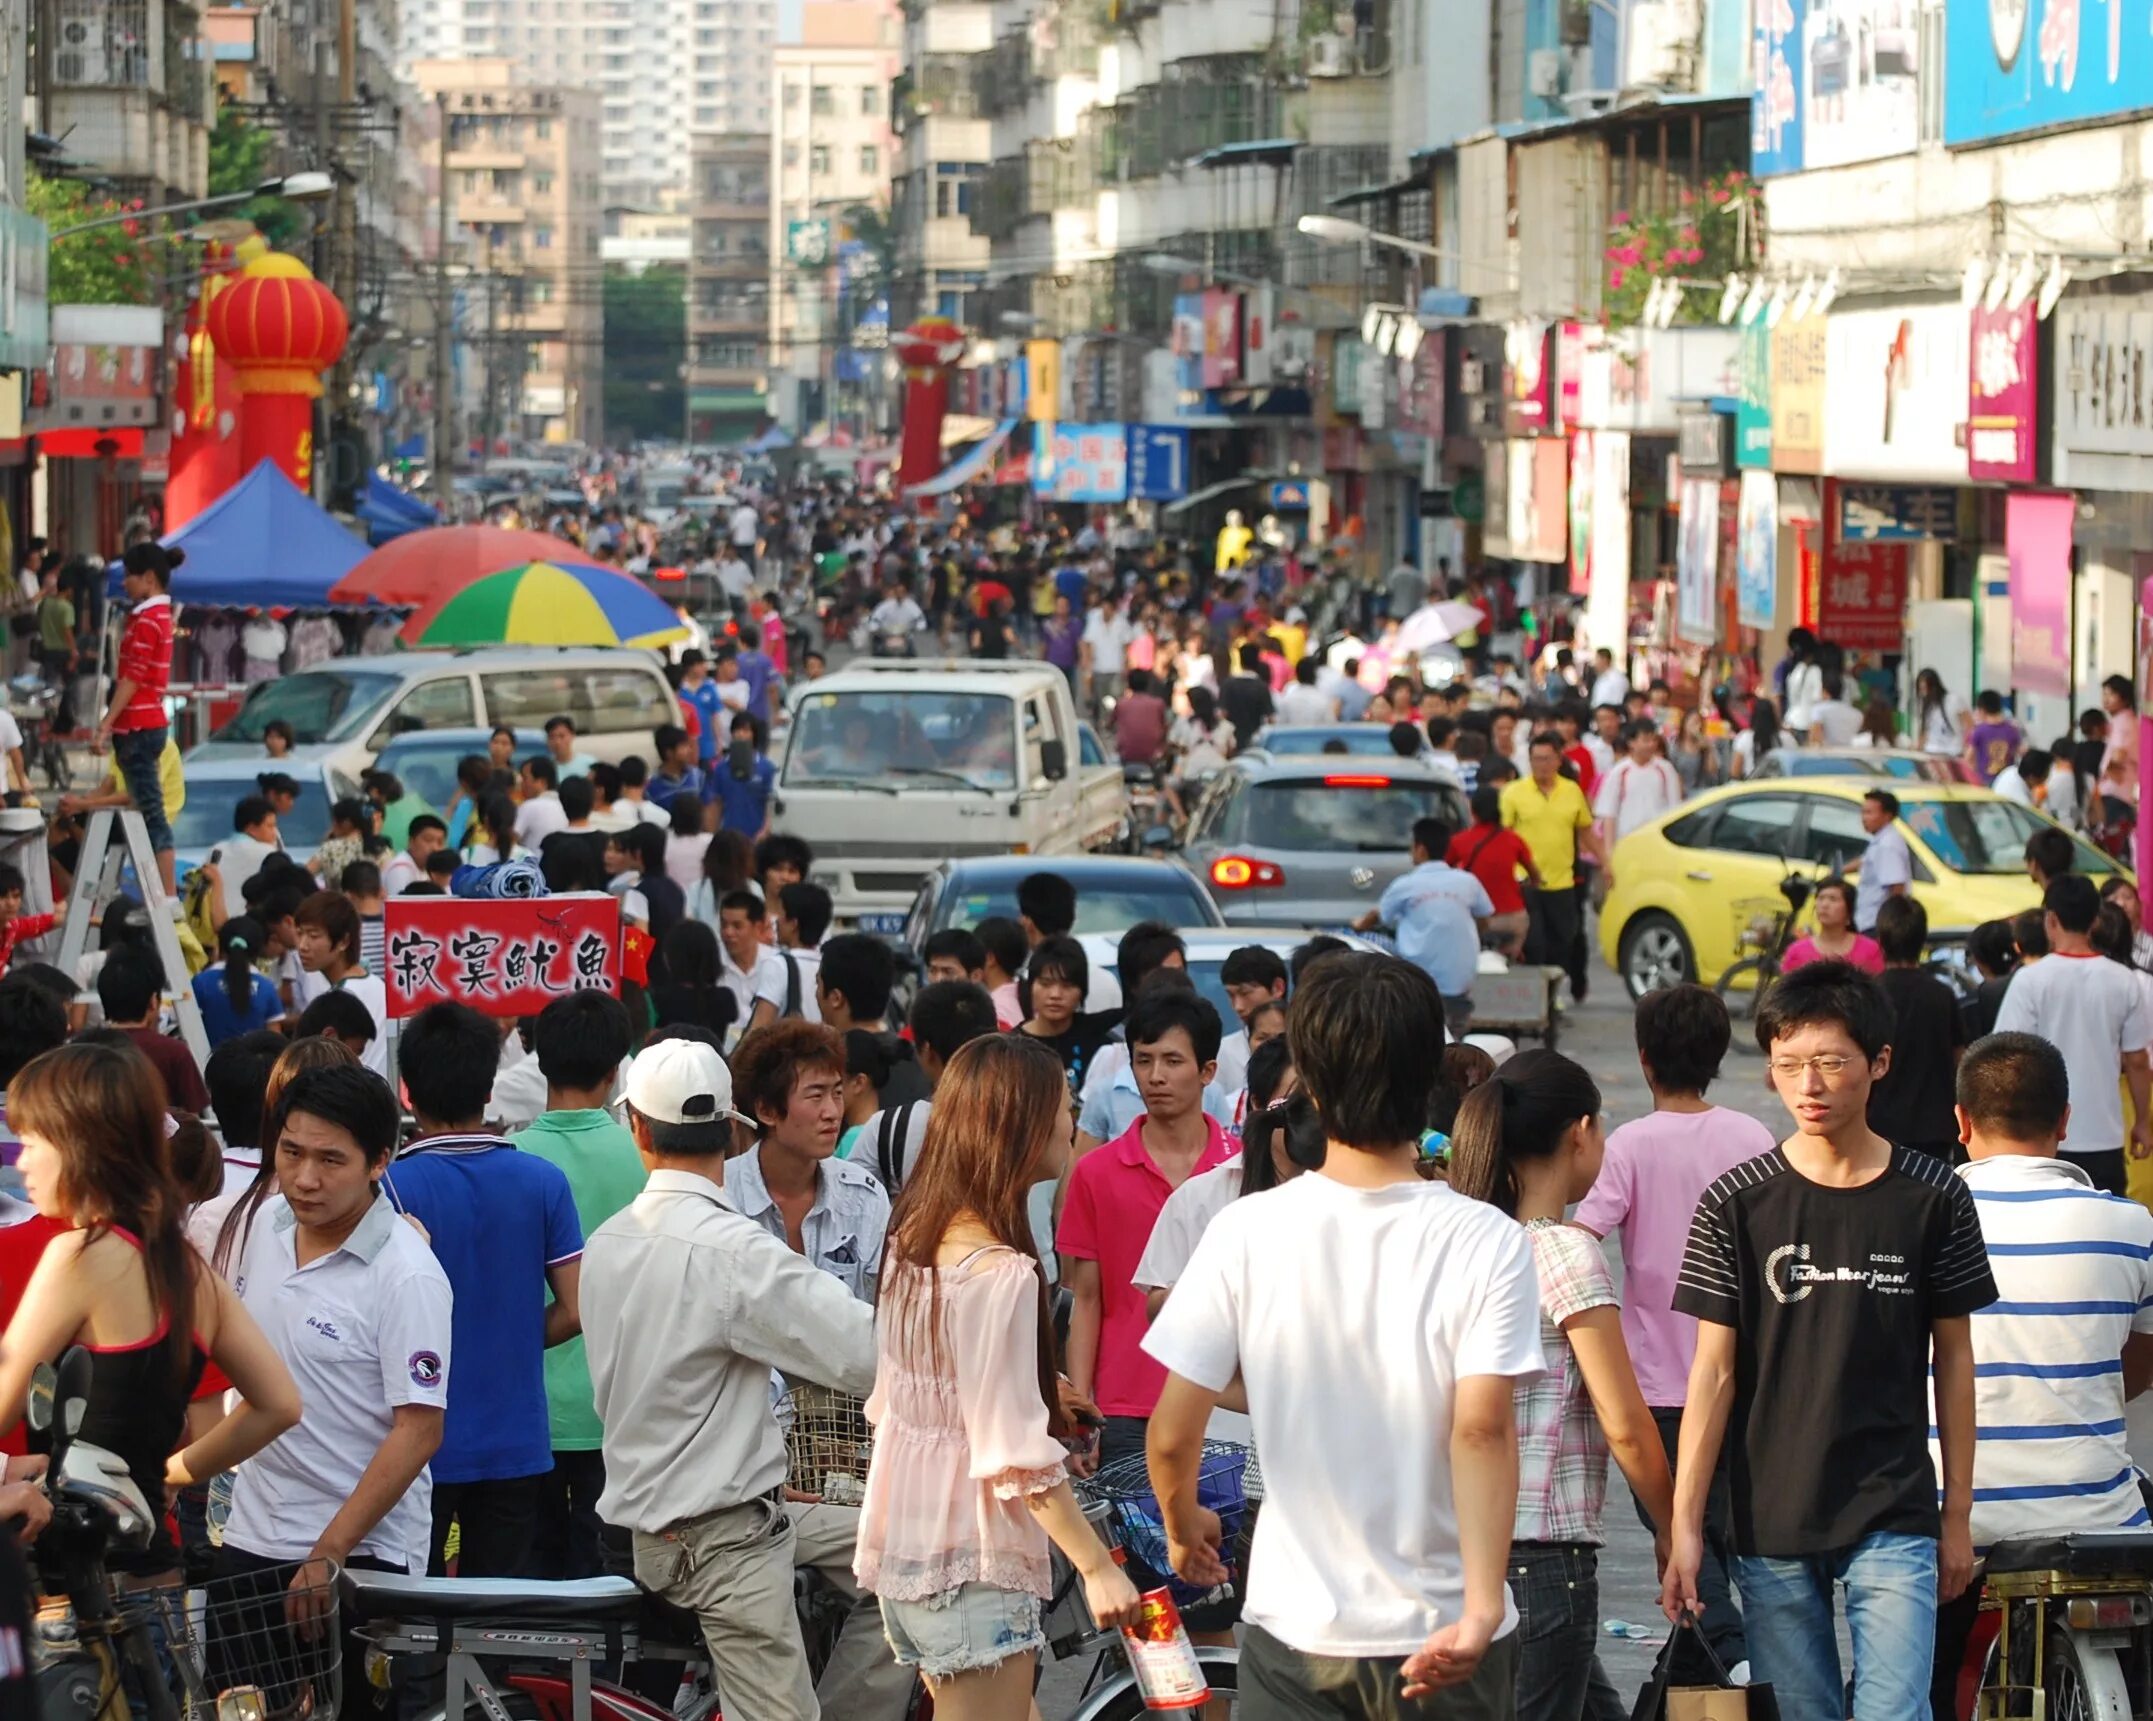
[(827, 1443), (241, 1635), (1222, 1483)]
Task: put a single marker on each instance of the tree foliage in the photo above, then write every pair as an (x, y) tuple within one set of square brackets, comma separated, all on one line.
[(239, 156), (122, 264), (646, 350)]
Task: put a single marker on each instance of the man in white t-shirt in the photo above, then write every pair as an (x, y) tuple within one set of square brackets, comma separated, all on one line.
[(239, 857), (1609, 685), (1637, 788), (745, 527), (1304, 701), (753, 972), (2094, 1012), (1104, 650), (1360, 1271), (1833, 721), (541, 813), (2019, 780)]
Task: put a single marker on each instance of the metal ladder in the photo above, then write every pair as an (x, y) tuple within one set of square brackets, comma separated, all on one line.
[(97, 879)]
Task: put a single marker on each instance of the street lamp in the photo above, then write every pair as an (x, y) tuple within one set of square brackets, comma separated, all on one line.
[(296, 187), (1339, 231)]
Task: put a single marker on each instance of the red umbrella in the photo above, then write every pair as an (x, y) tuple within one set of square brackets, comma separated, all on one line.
[(423, 566)]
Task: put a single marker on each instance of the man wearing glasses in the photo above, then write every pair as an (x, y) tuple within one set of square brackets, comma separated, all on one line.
[(1825, 1276)]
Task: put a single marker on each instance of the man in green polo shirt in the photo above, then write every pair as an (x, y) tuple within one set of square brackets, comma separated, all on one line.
[(1551, 813), (580, 1042)]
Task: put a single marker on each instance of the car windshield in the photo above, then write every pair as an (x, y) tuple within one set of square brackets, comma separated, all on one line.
[(1988, 836), (1365, 740), (319, 704), (879, 737), (1878, 764), (206, 819), (1370, 815), (427, 769), (1172, 897)]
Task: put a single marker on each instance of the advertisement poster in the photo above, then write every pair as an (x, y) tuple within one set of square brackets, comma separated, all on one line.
[(1898, 393), (1222, 337), (1861, 596), (2022, 65), (1800, 361), (1528, 378), (1607, 605), (1697, 559), (501, 958), (1581, 477), (1753, 403), (1080, 462), (1189, 342), (2003, 395), (1836, 81), (1756, 580), (2037, 537), (1042, 381)]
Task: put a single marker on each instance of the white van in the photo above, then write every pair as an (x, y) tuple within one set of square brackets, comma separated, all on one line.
[(357, 705), (893, 766)]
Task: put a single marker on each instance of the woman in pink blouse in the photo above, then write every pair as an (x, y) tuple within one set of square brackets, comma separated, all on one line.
[(969, 1480), (1835, 936)]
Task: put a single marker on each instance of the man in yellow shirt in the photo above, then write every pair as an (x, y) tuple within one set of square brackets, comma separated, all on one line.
[(1551, 813)]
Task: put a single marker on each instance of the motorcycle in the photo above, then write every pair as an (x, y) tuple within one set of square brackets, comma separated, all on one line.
[(2067, 1629)]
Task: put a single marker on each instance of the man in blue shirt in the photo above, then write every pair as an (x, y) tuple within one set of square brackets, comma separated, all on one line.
[(758, 672), (503, 1226), (700, 691), (743, 801), (677, 773), (1437, 912)]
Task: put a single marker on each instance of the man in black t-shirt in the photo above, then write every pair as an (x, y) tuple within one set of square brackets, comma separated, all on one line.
[(1913, 1104), (1245, 698), (1824, 1276)]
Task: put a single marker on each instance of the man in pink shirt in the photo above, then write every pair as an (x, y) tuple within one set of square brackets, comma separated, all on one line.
[(1650, 1181), (1115, 1193)]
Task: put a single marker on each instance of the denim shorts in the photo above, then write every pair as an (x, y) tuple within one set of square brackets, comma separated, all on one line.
[(965, 1630)]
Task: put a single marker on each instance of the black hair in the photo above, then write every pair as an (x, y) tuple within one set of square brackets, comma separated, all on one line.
[(862, 969), (743, 902), (386, 784), (1268, 1115), (1405, 739), (425, 822), (950, 1014), (1143, 951), (1763, 726), (691, 955), (577, 798), (808, 907), (867, 1055), (447, 1056), (955, 944), (242, 939), (2119, 685), (1060, 958), (337, 1013), (2035, 764), (666, 738), (1992, 946), (473, 772), (2016, 1086), (2073, 901), (236, 1075), (11, 879), (1003, 939), (605, 780), (1487, 805), (582, 1039), (633, 771), (543, 770), (1306, 955), (1252, 965), (128, 984), (685, 817), (2050, 848), (251, 810), (1902, 928), (2112, 937), (1433, 835), (1827, 993), (1363, 1028), (560, 720), (350, 1096), (1048, 901), (1885, 799), (32, 1021), (2029, 931), (784, 849), (1682, 1035), (278, 726), (1523, 1111), (352, 811), (1158, 1011), (149, 557)]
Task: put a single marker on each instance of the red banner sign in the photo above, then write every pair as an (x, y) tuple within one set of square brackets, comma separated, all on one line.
[(501, 958), (1861, 596)]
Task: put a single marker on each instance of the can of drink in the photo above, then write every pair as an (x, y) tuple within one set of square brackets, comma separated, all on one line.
[(1162, 1658)]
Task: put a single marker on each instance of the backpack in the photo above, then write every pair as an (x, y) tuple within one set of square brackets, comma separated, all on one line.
[(195, 916), (792, 984), (891, 1136)]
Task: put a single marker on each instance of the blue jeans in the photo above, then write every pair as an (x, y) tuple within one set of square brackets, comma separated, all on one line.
[(137, 752), (1891, 1611), (1556, 1586)]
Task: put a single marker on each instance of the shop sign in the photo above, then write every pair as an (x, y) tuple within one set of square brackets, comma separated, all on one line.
[(1607, 604), (1257, 331), (2037, 538), (1529, 378), (2003, 396), (1420, 394), (1189, 342), (1897, 406), (1836, 81), (2103, 436), (1042, 381), (1378, 378), (1480, 381), (1537, 500), (25, 336), (1637, 379), (1697, 558), (1581, 476), (1346, 375), (1080, 462), (1222, 337), (1703, 444), (1569, 372), (509, 958), (1753, 395), (1756, 573), (1801, 360), (2012, 67), (1861, 591), (1897, 513), (1158, 463), (105, 361)]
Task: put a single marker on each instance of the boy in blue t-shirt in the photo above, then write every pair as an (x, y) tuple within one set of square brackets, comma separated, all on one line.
[(743, 800)]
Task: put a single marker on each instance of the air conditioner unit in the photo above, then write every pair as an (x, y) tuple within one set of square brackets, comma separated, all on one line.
[(82, 55), (1576, 24), (1329, 57), (1543, 72)]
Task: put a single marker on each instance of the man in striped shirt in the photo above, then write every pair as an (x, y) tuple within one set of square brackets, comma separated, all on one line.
[(2071, 1337)]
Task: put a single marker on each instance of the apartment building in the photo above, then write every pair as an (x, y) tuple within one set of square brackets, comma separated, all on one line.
[(945, 142), (728, 286), (127, 85)]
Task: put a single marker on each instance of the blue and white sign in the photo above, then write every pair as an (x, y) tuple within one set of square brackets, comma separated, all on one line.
[(1080, 462), (1158, 463), (1836, 83), (1289, 496), (2014, 66)]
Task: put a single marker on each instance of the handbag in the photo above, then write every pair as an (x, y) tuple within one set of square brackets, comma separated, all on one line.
[(1725, 1701)]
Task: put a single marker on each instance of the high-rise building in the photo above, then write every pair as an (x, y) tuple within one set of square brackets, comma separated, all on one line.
[(945, 144), (728, 287)]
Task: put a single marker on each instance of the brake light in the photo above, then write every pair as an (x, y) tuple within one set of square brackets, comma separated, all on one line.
[(2106, 1613), (1356, 782), (1239, 872)]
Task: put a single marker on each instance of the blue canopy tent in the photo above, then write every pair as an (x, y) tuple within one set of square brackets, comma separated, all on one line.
[(387, 512), (262, 543)]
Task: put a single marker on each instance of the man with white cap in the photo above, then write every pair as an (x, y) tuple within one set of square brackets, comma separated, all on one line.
[(687, 1307)]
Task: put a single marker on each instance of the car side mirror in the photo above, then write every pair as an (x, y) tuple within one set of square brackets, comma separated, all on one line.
[(1054, 759)]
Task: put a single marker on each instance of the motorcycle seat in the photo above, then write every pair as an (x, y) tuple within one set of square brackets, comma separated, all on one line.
[(588, 1601), (2087, 1554)]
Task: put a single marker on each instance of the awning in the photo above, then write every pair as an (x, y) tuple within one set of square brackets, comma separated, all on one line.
[(1262, 152), (962, 427), (968, 466), (1225, 487), (1376, 193)]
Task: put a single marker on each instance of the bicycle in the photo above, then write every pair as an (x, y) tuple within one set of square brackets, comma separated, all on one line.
[(1745, 982), (35, 706)]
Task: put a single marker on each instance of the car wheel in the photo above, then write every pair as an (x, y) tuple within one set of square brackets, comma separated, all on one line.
[(1655, 954)]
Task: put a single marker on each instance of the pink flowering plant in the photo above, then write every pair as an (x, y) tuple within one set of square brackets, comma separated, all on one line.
[(1706, 232)]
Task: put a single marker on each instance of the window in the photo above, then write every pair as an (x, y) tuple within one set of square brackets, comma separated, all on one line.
[(442, 704), (706, 116), (541, 185), (870, 158), (822, 99), (870, 101), (1835, 838), (792, 155), (544, 130), (539, 290), (541, 238), (1762, 825), (530, 696), (818, 159), (792, 97), (615, 700)]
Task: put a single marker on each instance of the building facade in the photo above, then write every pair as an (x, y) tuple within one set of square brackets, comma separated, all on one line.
[(729, 279)]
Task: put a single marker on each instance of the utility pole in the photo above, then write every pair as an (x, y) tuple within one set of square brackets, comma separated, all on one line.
[(344, 224), (493, 357), (444, 449)]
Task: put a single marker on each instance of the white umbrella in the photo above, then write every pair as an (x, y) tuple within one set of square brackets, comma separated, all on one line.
[(1436, 624)]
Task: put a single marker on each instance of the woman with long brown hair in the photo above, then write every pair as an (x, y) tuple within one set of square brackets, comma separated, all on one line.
[(969, 1481), (128, 1286)]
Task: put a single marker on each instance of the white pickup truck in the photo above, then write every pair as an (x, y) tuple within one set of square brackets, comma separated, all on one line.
[(892, 766)]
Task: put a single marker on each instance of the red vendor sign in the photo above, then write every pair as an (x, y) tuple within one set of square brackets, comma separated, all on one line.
[(502, 958)]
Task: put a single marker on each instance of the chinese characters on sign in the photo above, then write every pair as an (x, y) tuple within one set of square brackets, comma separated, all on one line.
[(2003, 396), (1081, 462), (1799, 366), (501, 958), (1898, 513), (1861, 596)]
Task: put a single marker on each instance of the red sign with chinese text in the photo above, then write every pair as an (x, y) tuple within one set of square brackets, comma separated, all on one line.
[(1861, 592), (501, 958)]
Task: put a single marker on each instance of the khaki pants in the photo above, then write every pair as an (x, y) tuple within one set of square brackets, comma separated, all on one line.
[(863, 1680), (733, 1570)]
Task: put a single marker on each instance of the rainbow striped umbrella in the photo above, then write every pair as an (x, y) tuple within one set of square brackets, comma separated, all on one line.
[(549, 603)]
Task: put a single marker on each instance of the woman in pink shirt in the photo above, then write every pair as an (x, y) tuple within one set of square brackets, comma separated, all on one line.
[(1835, 936), (969, 1481)]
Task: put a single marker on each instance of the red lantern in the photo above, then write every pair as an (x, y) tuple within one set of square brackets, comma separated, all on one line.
[(928, 350), (280, 329)]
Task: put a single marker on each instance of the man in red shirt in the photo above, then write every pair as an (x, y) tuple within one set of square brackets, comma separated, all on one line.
[(135, 723), (1140, 722), (1497, 856)]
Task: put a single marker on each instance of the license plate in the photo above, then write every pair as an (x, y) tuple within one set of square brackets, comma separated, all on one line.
[(883, 925)]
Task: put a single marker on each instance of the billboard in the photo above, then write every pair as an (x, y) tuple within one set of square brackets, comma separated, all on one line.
[(2011, 67), (1837, 81)]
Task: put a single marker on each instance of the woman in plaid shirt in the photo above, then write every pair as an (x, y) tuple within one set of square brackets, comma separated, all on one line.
[(135, 722), (1528, 1140)]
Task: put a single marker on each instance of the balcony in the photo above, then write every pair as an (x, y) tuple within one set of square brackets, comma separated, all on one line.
[(940, 84)]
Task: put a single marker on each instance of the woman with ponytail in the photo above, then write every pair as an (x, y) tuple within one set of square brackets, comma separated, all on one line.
[(1528, 1141), (233, 999)]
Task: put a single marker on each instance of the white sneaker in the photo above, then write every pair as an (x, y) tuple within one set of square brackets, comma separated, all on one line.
[(1739, 1673)]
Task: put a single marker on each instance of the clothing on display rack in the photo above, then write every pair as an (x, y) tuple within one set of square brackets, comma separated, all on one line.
[(315, 639), (263, 640), (380, 636), (215, 638)]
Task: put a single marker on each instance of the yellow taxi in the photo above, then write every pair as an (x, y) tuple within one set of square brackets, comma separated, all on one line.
[(1689, 886)]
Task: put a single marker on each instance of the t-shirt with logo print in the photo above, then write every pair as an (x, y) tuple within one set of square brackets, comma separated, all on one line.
[(1830, 1293)]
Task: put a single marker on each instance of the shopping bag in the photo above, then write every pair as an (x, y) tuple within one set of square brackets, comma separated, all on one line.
[(1661, 1700)]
